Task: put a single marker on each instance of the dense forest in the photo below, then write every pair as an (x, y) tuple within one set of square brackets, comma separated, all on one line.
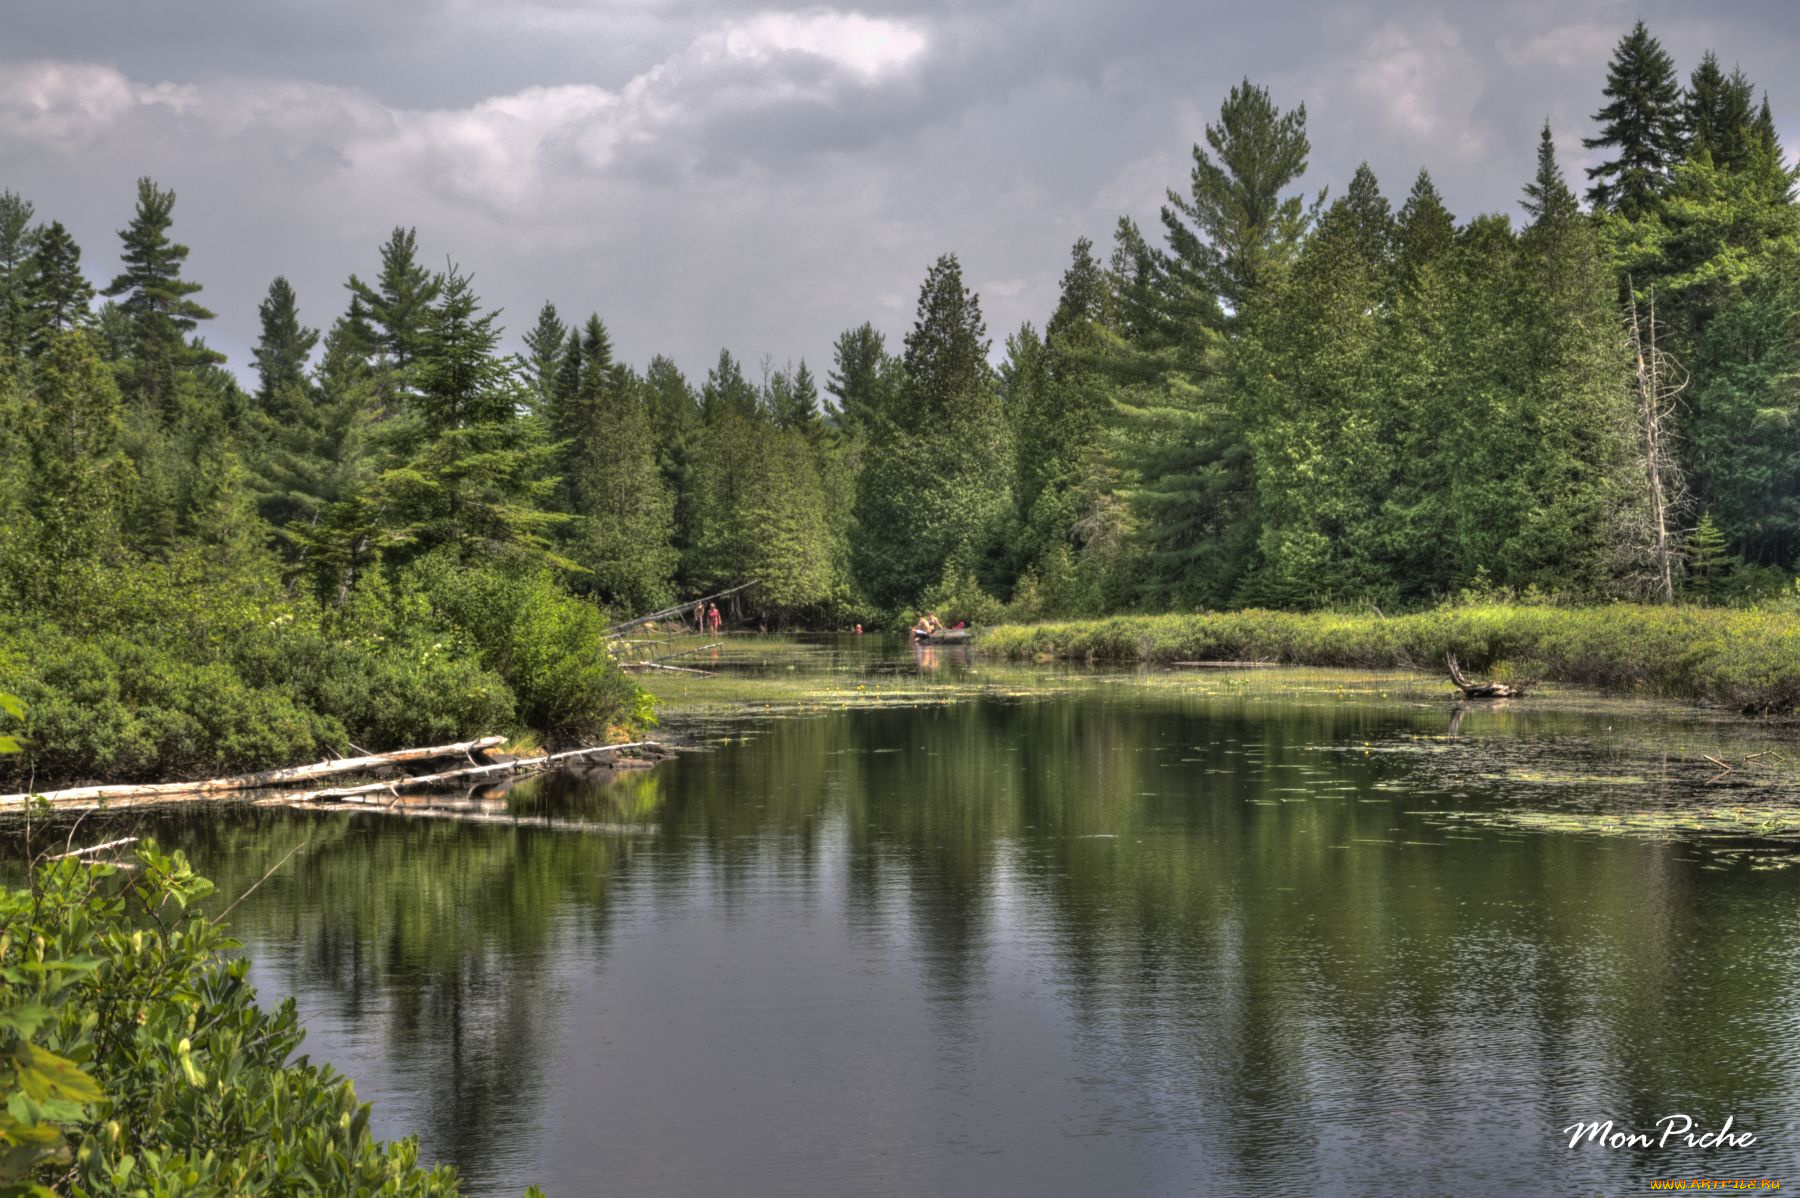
[(1279, 398)]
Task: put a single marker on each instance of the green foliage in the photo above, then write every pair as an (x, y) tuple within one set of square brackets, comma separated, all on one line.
[(959, 598), (282, 350), (140, 1062), (1740, 660), (549, 646), (157, 303), (1641, 124), (937, 473)]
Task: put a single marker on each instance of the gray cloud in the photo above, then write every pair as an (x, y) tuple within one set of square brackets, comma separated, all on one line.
[(703, 173)]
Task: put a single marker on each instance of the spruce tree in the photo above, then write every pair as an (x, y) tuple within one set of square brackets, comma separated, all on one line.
[(1575, 409), (544, 348), (862, 378), (395, 316), (79, 477), (1641, 125), (622, 507), (60, 293), (472, 473), (1717, 115), (282, 351), (18, 268), (936, 480), (726, 390), (1320, 419)]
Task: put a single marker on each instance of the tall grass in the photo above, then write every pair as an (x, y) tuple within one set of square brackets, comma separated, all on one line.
[(1744, 660)]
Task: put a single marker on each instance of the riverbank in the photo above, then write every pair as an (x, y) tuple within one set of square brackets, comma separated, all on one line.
[(1746, 661)]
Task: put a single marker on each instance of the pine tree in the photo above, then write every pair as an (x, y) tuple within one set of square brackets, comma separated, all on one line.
[(1642, 125), (1575, 410), (396, 315), (1234, 228), (1717, 119), (1320, 421), (79, 477), (862, 378), (60, 293), (472, 475), (282, 351), (18, 268), (544, 348), (726, 390), (937, 476), (157, 302)]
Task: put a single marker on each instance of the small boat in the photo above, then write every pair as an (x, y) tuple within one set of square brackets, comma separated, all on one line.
[(944, 636)]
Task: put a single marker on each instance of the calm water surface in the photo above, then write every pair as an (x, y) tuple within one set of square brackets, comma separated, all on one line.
[(1110, 939)]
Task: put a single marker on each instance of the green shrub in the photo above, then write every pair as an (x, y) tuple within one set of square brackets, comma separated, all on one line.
[(549, 646), (142, 1065)]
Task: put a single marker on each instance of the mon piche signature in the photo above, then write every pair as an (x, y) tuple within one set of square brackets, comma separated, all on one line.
[(1671, 1131)]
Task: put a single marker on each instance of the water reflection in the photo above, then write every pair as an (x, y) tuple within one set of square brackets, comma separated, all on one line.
[(1105, 942)]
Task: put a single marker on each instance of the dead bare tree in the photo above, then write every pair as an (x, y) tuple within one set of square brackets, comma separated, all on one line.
[(1658, 384)]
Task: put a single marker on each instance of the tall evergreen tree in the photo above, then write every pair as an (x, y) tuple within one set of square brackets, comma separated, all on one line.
[(79, 477), (18, 262), (1718, 118), (936, 479), (157, 302), (60, 293), (472, 474), (862, 378), (1641, 124), (282, 351), (623, 509), (544, 348), (726, 390), (1575, 409), (1235, 227), (395, 316)]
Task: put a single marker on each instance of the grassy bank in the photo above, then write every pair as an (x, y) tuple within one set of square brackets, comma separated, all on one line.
[(1744, 660)]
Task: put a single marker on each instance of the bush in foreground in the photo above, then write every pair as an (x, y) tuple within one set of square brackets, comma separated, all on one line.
[(140, 1063)]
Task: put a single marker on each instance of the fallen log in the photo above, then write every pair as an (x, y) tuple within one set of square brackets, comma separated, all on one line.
[(1483, 690), (259, 781), (360, 794), (651, 665)]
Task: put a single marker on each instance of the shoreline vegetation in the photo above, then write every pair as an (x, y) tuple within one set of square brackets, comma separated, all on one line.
[(1742, 660)]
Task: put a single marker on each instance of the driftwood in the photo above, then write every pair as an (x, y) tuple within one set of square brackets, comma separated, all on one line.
[(656, 665), (261, 781), (1483, 690), (525, 765)]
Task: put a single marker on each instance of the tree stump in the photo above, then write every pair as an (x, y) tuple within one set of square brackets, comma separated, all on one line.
[(1482, 690)]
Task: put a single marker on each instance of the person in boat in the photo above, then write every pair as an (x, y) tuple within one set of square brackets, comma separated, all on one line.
[(937, 625), (922, 626)]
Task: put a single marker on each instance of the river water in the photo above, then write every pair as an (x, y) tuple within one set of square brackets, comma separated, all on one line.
[(1219, 936)]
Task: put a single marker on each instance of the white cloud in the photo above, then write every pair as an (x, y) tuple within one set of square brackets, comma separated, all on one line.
[(866, 46)]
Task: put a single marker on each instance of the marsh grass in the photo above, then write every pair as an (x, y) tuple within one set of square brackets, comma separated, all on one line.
[(1744, 660)]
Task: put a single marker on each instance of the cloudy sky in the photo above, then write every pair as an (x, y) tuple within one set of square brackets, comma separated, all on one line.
[(707, 174)]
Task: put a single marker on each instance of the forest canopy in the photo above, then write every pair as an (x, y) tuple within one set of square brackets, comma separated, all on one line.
[(391, 529)]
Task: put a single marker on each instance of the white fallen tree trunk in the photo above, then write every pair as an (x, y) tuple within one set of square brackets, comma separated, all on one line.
[(259, 781)]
